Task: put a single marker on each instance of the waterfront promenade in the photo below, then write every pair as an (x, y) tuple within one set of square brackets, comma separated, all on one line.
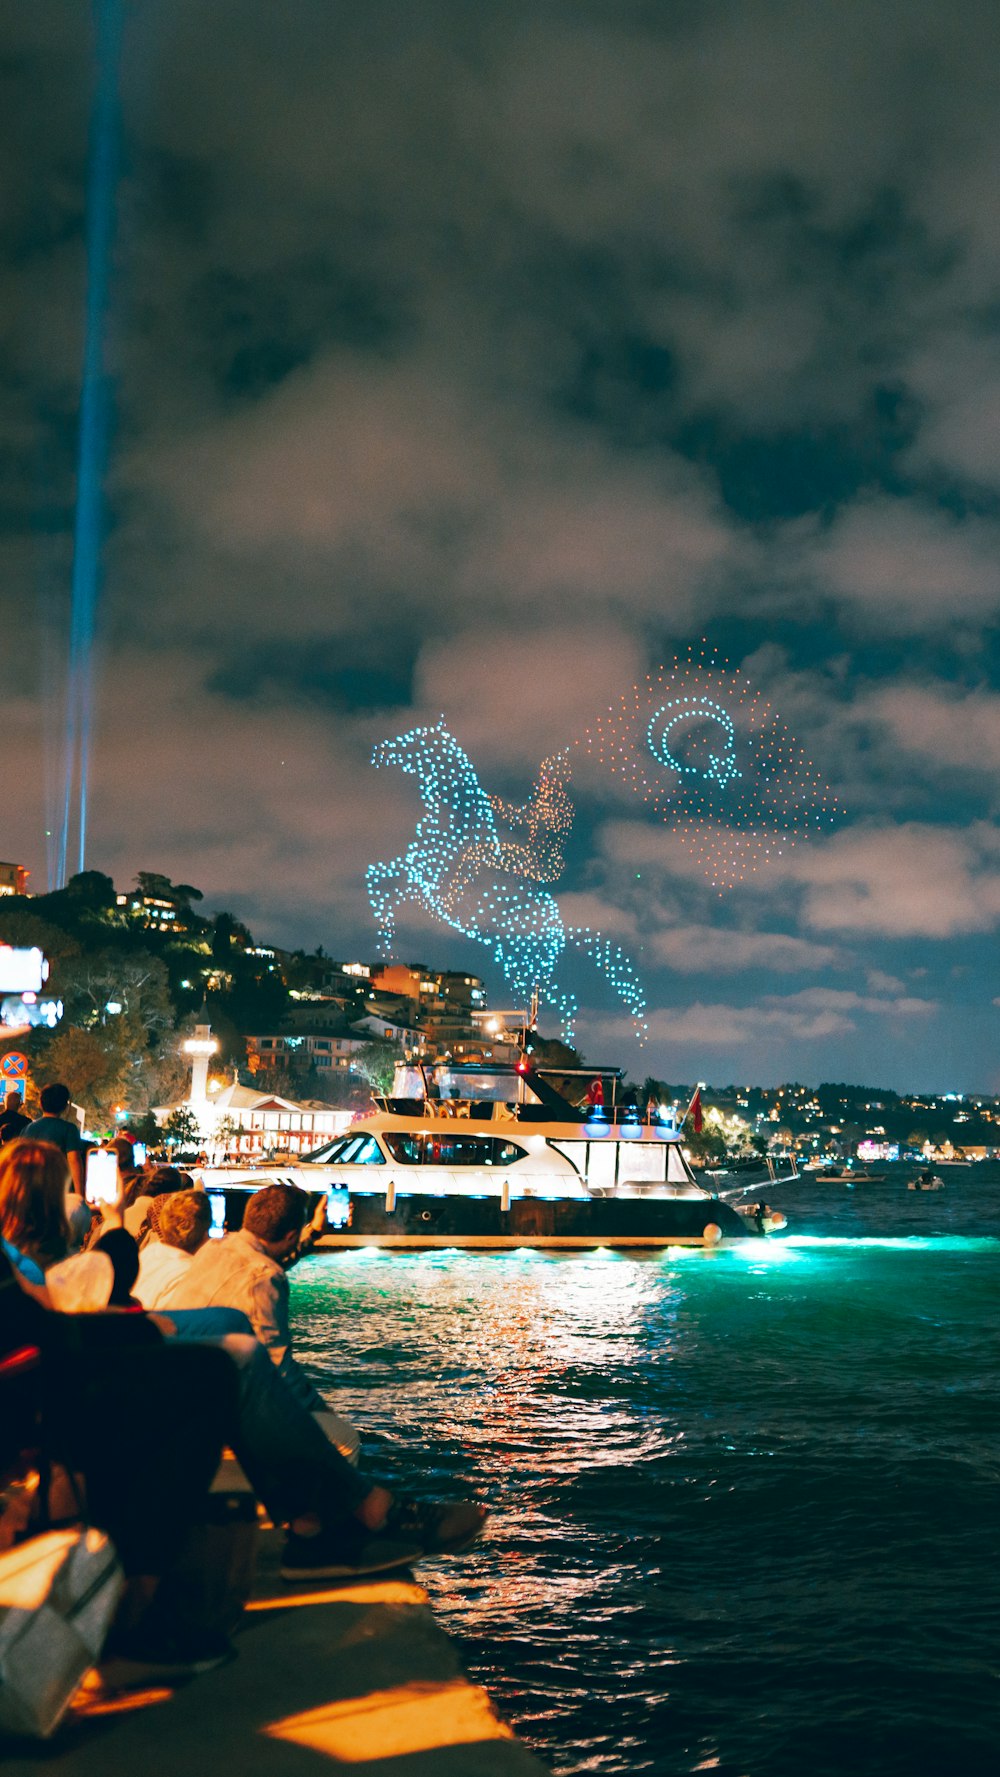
[(357, 1675)]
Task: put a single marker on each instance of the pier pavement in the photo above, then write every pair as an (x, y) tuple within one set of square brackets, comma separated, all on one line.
[(359, 1676)]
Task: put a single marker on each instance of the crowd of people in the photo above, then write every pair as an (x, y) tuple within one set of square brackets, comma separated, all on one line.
[(152, 1347)]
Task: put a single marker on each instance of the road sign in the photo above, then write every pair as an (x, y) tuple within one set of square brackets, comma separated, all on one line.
[(14, 1065)]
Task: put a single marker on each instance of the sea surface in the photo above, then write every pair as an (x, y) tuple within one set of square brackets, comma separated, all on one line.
[(746, 1504)]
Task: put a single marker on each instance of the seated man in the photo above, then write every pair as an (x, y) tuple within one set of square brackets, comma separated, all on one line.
[(247, 1270)]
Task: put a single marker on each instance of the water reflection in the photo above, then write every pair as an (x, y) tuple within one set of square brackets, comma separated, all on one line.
[(736, 1495)]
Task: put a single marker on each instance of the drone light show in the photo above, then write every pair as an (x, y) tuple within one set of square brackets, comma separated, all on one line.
[(707, 752), (479, 865)]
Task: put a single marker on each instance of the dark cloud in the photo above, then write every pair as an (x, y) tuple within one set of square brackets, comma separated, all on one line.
[(474, 359)]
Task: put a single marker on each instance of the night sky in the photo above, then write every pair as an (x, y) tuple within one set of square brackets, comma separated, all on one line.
[(478, 359)]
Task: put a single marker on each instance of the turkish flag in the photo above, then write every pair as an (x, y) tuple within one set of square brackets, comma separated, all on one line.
[(694, 1112)]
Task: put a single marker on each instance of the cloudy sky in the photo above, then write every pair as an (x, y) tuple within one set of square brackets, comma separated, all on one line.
[(478, 359)]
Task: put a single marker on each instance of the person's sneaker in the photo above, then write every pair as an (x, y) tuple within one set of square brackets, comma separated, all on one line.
[(348, 1552), (140, 1658), (442, 1529)]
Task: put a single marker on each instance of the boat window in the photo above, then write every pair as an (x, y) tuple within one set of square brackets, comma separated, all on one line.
[(452, 1150), (573, 1151), (329, 1153), (507, 1153), (407, 1149), (642, 1162), (468, 1150), (601, 1165), (677, 1171), (361, 1150)]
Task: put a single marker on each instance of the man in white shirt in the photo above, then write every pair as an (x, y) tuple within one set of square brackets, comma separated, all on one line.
[(247, 1271)]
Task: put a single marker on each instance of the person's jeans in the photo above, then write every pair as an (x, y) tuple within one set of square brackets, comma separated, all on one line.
[(292, 1467), (207, 1323)]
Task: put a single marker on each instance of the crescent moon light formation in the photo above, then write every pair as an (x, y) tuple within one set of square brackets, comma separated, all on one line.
[(697, 743)]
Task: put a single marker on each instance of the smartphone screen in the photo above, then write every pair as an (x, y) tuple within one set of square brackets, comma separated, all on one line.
[(139, 1153), (102, 1176), (338, 1206)]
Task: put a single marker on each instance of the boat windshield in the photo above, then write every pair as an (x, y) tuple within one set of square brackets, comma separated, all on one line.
[(349, 1150)]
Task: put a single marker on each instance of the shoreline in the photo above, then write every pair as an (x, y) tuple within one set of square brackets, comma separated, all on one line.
[(359, 1674)]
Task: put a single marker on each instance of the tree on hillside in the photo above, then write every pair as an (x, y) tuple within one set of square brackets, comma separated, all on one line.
[(94, 1073), (91, 888), (375, 1062), (21, 925), (160, 887), (117, 1044)]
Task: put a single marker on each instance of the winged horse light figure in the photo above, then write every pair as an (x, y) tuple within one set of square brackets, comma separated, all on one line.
[(463, 870)]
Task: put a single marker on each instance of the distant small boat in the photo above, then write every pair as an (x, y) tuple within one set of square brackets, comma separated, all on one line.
[(926, 1181), (848, 1175)]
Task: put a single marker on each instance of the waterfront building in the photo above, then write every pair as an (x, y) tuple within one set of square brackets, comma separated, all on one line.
[(13, 879)]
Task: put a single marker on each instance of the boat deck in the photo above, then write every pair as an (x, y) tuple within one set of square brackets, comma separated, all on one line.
[(357, 1675)]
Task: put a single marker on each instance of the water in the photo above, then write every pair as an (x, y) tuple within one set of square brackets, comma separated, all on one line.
[(745, 1503)]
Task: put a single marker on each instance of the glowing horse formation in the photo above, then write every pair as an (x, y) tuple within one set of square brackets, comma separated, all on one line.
[(461, 868), (696, 743)]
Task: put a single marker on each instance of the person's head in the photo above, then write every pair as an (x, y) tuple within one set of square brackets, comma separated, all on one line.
[(124, 1255), (161, 1180), (275, 1216), (34, 1179), (125, 1151), (184, 1220), (54, 1099), (12, 1101)]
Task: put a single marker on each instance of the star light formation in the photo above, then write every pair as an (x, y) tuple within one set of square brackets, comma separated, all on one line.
[(707, 752), (486, 881)]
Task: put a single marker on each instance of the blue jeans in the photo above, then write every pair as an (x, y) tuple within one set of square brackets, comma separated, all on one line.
[(289, 1462), (207, 1323)]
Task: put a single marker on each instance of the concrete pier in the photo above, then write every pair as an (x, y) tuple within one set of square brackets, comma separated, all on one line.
[(358, 1675)]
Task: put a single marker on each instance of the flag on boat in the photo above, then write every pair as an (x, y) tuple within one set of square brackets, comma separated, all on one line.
[(694, 1112)]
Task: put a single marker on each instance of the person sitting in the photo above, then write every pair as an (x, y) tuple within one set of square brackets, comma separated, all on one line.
[(247, 1270), (33, 1218), (103, 1392), (182, 1223)]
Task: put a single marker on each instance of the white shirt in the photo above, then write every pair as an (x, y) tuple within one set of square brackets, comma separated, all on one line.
[(162, 1271)]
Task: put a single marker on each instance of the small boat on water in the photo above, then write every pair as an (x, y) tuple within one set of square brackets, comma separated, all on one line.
[(494, 1157), (925, 1181), (849, 1175)]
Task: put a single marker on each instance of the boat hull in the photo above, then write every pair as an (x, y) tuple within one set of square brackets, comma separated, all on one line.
[(420, 1221)]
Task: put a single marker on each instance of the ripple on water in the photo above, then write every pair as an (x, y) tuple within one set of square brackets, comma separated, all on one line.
[(744, 1505)]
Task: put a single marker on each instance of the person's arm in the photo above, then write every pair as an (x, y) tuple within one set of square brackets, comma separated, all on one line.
[(310, 1234), (74, 1160), (270, 1323)]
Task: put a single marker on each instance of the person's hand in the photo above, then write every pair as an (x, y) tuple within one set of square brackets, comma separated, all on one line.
[(113, 1214), (317, 1225)]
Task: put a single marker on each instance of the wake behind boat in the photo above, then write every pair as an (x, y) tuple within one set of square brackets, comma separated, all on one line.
[(494, 1157)]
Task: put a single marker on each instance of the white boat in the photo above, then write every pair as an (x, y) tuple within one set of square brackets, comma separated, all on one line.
[(526, 1169)]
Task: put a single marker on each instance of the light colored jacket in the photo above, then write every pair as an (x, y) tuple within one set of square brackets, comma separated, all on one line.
[(236, 1272), (162, 1271)]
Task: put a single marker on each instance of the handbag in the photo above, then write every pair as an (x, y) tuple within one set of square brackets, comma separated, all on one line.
[(58, 1594)]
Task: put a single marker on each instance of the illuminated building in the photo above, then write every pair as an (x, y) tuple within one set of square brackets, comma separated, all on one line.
[(13, 879)]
